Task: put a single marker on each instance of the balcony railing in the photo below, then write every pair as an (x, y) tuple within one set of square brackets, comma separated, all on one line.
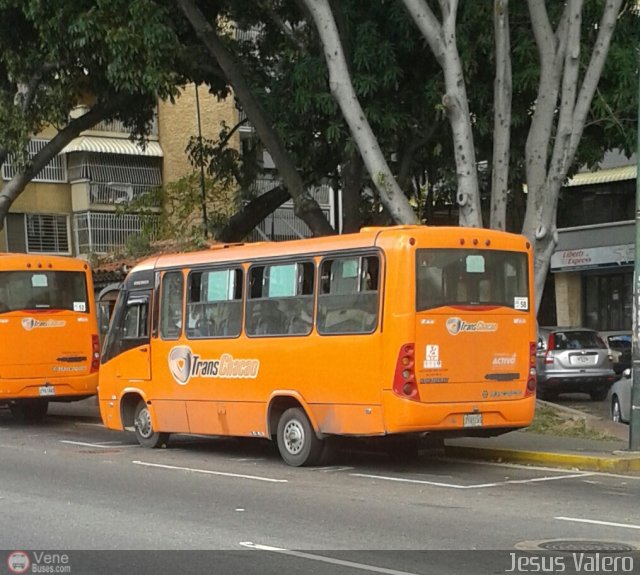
[(117, 126), (102, 233)]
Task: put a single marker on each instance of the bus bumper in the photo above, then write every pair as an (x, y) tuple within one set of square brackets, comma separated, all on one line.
[(407, 416), (51, 388)]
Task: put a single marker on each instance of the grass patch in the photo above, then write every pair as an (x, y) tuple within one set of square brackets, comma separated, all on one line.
[(548, 421)]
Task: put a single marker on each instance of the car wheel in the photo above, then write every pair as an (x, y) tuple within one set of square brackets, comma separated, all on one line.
[(599, 394), (29, 410), (145, 434), (297, 440), (616, 412)]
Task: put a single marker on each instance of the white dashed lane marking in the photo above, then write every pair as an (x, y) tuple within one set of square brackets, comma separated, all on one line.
[(210, 472)]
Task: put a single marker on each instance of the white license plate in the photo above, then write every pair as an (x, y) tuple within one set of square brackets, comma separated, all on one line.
[(47, 390), (583, 359), (472, 420)]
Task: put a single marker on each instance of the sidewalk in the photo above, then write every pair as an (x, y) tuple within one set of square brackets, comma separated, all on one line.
[(553, 450)]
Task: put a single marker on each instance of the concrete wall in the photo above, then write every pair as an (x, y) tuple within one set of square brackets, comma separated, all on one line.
[(178, 122), (568, 298), (44, 199)]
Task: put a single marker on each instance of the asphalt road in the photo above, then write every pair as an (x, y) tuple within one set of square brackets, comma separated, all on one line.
[(69, 484)]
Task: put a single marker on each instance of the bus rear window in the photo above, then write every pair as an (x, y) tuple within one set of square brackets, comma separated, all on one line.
[(446, 277), (28, 290)]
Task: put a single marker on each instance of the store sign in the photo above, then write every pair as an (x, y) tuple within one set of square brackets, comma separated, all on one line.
[(592, 257)]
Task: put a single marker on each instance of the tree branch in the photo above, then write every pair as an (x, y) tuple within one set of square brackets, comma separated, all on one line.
[(305, 206), (241, 224)]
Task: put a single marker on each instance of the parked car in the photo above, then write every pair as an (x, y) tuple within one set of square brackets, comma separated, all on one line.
[(620, 398), (619, 343), (571, 360)]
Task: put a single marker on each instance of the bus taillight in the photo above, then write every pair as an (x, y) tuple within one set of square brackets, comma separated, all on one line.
[(549, 354), (95, 353), (531, 381), (404, 381)]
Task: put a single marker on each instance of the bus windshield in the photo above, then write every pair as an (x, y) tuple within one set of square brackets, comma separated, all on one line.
[(471, 277), (40, 289)]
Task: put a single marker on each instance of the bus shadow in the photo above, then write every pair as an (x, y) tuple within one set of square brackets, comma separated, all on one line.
[(343, 452)]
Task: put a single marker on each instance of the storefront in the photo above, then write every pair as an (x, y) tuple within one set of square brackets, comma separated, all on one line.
[(592, 269)]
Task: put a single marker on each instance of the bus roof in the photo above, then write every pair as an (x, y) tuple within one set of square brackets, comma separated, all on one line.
[(367, 237), (16, 261)]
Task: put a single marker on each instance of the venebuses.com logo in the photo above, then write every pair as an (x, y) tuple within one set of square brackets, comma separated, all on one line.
[(38, 562), (18, 562)]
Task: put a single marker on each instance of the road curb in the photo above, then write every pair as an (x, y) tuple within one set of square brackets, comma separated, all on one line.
[(620, 464)]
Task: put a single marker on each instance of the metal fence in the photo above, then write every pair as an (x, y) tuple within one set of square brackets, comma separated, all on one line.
[(283, 224), (101, 233)]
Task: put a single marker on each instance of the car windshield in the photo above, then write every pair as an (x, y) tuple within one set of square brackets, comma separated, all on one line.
[(577, 340)]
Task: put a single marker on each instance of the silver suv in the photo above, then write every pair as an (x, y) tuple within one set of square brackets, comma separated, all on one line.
[(573, 360)]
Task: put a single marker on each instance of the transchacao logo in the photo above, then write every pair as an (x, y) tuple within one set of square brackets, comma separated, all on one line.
[(455, 325), (185, 365), (29, 323)]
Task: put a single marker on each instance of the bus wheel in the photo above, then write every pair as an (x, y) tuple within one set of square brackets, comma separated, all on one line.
[(29, 410), (145, 434), (297, 440)]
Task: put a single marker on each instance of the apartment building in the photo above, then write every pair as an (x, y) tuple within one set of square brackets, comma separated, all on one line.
[(71, 207)]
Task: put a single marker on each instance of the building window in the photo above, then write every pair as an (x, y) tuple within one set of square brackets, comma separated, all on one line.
[(47, 234), (54, 171), (608, 301)]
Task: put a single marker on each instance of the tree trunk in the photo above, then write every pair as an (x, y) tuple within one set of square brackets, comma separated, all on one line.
[(442, 41), (12, 189), (241, 224), (559, 56), (306, 208), (391, 196), (501, 116), (351, 185)]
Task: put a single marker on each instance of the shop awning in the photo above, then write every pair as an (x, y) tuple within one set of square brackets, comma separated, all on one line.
[(121, 146), (603, 176)]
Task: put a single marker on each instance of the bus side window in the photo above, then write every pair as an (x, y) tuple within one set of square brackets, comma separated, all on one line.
[(349, 295), (281, 299), (171, 305), (214, 304)]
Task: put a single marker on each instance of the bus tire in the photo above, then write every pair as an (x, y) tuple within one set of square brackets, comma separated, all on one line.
[(145, 433), (297, 440), (29, 410)]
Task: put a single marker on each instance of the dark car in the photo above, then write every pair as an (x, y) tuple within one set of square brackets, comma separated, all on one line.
[(573, 360), (619, 343)]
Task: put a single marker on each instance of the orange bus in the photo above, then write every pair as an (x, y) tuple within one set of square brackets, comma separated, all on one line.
[(398, 330), (50, 349)]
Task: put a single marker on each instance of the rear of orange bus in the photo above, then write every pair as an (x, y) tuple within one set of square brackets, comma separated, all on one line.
[(460, 331), (48, 328)]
